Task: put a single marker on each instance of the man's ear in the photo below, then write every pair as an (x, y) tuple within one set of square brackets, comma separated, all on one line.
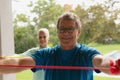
[(78, 32), (48, 38)]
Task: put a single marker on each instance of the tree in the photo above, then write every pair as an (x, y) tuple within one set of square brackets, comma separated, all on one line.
[(24, 33), (97, 25), (24, 39)]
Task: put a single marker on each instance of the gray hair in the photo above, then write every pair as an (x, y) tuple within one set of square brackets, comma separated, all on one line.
[(70, 16), (44, 30)]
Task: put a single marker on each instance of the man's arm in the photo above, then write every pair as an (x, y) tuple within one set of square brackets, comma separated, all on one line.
[(106, 65), (15, 61)]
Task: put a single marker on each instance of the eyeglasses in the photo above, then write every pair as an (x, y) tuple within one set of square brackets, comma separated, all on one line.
[(68, 30)]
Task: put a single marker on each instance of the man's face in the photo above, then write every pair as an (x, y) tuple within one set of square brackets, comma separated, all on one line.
[(67, 32), (43, 39)]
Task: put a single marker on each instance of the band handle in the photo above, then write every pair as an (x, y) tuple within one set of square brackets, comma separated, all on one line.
[(115, 67)]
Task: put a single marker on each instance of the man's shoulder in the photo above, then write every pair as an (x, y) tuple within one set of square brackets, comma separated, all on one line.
[(48, 50), (88, 49), (34, 48), (84, 46), (29, 51)]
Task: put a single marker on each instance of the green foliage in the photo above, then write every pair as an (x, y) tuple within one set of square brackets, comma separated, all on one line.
[(47, 12), (105, 78), (105, 48), (98, 26), (53, 36), (28, 75), (25, 38), (22, 17)]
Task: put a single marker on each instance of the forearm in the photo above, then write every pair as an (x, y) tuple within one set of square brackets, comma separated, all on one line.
[(107, 65), (112, 66), (4, 68), (102, 63), (8, 70), (7, 65)]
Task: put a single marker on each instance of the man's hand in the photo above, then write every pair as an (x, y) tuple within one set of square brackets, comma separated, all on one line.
[(115, 67), (2, 57), (118, 64)]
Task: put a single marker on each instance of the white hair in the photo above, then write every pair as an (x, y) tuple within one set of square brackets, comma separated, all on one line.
[(44, 30)]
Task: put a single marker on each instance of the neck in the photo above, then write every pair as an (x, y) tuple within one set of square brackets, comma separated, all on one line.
[(43, 46), (67, 47)]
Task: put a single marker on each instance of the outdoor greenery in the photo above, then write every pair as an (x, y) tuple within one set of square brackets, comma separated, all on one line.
[(98, 23), (27, 75), (105, 48)]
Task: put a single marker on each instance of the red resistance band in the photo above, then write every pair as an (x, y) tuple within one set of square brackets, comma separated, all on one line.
[(55, 67), (115, 67)]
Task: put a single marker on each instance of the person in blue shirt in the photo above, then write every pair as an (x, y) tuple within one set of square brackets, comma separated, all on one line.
[(69, 53), (43, 39)]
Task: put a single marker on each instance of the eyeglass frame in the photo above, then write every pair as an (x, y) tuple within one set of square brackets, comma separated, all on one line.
[(68, 30)]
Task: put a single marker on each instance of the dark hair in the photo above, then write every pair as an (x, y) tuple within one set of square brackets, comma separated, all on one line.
[(70, 16)]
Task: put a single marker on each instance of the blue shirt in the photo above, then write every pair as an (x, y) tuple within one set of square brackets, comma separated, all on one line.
[(80, 55)]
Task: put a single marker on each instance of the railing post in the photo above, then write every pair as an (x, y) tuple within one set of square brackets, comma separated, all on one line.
[(6, 34)]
